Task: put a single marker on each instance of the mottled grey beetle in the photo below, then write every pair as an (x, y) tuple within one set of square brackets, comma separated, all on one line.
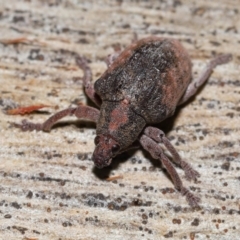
[(143, 85)]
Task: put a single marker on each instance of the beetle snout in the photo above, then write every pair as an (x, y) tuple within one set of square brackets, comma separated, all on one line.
[(106, 148), (100, 161)]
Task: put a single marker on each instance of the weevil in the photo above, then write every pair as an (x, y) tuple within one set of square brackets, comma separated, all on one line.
[(142, 86)]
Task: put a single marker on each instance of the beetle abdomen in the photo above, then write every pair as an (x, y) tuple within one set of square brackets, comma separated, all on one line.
[(152, 74)]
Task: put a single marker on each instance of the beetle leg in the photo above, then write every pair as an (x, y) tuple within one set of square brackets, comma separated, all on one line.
[(156, 152), (112, 57), (198, 82), (83, 112), (159, 136), (87, 80)]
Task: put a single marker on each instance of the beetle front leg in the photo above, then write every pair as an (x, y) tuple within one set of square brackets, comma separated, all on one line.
[(157, 153), (83, 112), (159, 136), (87, 80), (198, 82)]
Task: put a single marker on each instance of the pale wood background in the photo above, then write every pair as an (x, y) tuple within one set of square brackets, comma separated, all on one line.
[(49, 188)]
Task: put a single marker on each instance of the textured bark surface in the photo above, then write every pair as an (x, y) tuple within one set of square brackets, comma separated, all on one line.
[(49, 188)]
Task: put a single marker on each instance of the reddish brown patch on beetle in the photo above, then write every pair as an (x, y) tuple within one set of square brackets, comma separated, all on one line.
[(119, 115), (178, 76)]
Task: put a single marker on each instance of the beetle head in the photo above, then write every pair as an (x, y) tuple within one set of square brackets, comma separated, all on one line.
[(106, 148)]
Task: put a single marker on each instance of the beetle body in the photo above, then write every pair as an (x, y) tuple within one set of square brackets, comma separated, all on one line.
[(142, 86)]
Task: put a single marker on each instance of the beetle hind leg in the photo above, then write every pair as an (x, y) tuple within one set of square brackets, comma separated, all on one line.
[(159, 136), (198, 82), (157, 153)]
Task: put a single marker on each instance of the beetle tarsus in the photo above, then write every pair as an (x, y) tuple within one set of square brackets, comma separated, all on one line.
[(191, 198), (220, 59), (190, 173), (28, 126)]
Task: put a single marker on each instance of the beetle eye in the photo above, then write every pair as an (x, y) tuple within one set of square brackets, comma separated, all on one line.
[(97, 140), (115, 148)]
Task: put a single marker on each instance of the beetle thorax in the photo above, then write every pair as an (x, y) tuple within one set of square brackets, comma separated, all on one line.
[(117, 128)]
